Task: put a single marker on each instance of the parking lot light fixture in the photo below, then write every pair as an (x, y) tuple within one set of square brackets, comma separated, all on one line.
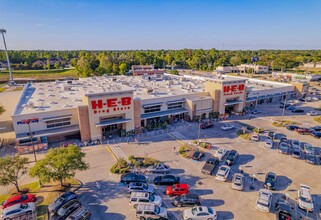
[(3, 31)]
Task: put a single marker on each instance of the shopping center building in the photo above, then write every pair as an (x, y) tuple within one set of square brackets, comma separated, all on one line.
[(104, 107)]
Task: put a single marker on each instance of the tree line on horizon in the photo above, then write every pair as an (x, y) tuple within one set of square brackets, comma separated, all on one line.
[(89, 63)]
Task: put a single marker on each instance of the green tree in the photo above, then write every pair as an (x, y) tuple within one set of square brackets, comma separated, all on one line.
[(11, 169), (59, 164), (115, 69), (2, 110), (122, 68), (174, 72), (57, 65)]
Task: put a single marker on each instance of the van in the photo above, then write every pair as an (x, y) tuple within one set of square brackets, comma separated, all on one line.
[(80, 214), (137, 198)]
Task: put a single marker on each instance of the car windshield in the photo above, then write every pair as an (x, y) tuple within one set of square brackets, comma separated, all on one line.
[(145, 186), (237, 184), (296, 142), (284, 147), (151, 198), (220, 151), (24, 206), (231, 156), (24, 197), (305, 199), (59, 200), (157, 209), (194, 211), (270, 179), (262, 204)]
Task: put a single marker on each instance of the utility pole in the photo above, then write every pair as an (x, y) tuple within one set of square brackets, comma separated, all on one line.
[(11, 82), (286, 97), (31, 139)]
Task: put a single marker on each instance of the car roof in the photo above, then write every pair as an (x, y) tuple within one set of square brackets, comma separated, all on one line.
[(145, 207), (202, 209), (264, 196), (181, 185), (191, 196), (305, 191), (139, 194), (78, 212), (212, 159), (13, 198)]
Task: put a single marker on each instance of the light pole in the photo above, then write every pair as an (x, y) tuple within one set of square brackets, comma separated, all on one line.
[(31, 139), (286, 96), (3, 31)]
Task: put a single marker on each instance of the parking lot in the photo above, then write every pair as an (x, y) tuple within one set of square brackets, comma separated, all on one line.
[(108, 199)]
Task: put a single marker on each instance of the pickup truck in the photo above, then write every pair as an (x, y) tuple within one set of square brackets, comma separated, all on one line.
[(210, 165)]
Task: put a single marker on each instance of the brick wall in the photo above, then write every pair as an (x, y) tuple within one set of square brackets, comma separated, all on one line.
[(83, 119), (137, 115)]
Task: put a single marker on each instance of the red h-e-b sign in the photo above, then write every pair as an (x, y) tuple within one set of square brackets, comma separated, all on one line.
[(233, 89), (112, 104)]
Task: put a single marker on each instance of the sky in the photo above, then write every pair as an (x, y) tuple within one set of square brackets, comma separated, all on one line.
[(161, 24)]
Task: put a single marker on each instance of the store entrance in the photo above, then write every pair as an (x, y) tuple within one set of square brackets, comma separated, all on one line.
[(229, 109), (110, 131)]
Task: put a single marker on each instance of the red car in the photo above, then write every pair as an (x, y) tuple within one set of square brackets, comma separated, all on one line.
[(207, 124), (19, 199), (177, 189), (303, 131)]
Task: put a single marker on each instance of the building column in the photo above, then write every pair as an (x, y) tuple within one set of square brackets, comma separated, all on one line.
[(83, 118)]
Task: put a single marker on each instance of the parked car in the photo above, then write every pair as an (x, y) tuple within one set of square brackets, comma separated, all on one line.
[(316, 128), (283, 147), (291, 108), (238, 181), (312, 113), (140, 187), (159, 168), (296, 153), (256, 111), (197, 155), (210, 165), (294, 144), (269, 143), (264, 200), (177, 189), (303, 131), (57, 203), (222, 173), (292, 127), (271, 135), (255, 137), (206, 125), (284, 211), (167, 180), (297, 110), (308, 149), (150, 211), (315, 98), (270, 181), (137, 198), (66, 209), (311, 159), (231, 157), (220, 153), (226, 127), (283, 139), (199, 213), (19, 199), (132, 177), (304, 198), (316, 134), (187, 200), (19, 211), (80, 214)]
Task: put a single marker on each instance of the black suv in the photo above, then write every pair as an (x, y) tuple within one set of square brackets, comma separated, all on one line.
[(231, 157), (187, 200), (132, 177)]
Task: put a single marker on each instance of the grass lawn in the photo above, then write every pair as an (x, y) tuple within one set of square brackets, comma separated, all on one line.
[(2, 89), (40, 74), (317, 119), (45, 195)]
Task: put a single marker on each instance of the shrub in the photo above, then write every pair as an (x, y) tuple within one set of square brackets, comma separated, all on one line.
[(317, 119), (246, 135), (260, 130), (120, 167), (186, 150), (283, 123)]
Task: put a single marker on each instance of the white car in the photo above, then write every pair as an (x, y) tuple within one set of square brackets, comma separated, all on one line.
[(313, 113), (199, 213), (264, 200), (315, 98), (305, 199), (238, 182), (222, 173), (226, 127), (220, 153), (255, 137), (19, 210), (268, 143)]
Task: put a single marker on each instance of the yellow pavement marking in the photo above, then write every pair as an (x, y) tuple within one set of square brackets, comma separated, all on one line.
[(112, 153), (182, 142)]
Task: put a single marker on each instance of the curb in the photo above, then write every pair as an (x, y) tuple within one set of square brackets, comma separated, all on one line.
[(182, 142)]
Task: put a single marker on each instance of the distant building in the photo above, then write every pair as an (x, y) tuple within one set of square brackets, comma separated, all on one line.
[(243, 68), (142, 67), (312, 65), (138, 70), (296, 76)]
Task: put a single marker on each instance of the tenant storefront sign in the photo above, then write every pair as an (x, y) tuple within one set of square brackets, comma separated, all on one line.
[(233, 89), (28, 121), (111, 105)]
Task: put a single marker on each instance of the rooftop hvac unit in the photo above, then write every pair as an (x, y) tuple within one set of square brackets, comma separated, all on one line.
[(31, 104)]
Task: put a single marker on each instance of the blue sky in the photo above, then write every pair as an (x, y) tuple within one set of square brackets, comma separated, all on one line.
[(161, 24)]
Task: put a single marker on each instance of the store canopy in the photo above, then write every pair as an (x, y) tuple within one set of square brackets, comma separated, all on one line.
[(113, 121), (152, 104), (251, 99), (49, 132), (57, 117), (232, 102), (163, 113)]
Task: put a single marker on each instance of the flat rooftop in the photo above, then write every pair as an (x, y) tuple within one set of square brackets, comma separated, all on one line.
[(59, 95)]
